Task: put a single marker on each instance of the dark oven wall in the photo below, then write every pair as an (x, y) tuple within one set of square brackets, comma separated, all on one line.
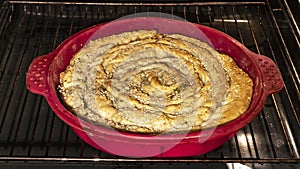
[(32, 136)]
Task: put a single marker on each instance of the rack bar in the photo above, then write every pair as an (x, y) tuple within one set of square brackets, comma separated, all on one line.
[(286, 126), (288, 59), (291, 16), (143, 160), (139, 3)]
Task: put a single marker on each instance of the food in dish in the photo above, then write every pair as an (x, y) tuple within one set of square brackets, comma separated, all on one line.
[(147, 82)]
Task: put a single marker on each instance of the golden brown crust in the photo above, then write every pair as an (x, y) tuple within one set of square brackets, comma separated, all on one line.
[(147, 82)]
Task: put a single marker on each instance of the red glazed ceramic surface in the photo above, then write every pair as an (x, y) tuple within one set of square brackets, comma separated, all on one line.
[(43, 78)]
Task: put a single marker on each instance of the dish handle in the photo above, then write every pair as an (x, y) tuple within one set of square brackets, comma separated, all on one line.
[(36, 77), (272, 79)]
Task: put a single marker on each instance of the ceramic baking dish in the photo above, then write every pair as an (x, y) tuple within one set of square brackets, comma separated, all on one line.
[(43, 78)]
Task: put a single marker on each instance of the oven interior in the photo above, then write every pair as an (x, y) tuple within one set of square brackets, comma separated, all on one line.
[(32, 136)]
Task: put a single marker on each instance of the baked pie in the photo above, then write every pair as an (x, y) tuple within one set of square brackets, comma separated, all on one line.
[(147, 82)]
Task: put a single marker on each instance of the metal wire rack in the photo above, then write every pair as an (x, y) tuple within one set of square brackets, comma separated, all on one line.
[(30, 133)]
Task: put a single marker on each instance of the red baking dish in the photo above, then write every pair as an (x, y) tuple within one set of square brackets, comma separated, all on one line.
[(43, 78)]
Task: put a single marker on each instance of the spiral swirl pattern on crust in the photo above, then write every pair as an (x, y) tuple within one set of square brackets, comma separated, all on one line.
[(147, 82)]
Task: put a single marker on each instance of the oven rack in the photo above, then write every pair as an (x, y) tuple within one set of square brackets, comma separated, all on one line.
[(30, 133)]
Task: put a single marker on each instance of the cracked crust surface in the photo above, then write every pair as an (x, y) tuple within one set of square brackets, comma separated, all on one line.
[(147, 82)]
